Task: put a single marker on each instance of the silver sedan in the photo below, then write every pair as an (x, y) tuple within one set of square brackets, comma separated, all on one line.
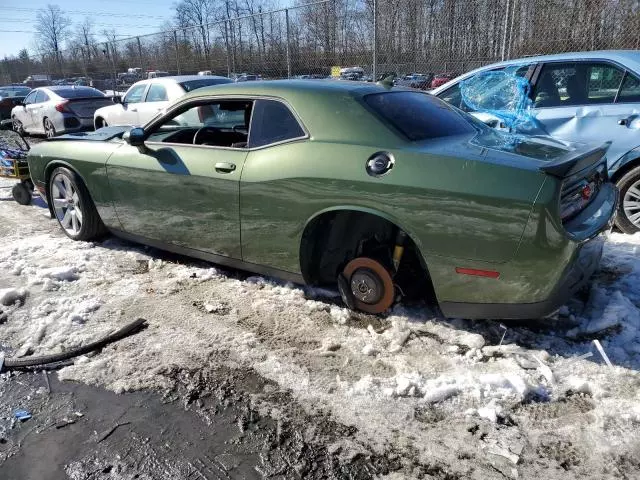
[(58, 109)]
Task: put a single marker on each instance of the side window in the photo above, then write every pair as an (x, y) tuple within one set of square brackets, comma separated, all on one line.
[(41, 97), (579, 83), (272, 122), (222, 123), (551, 87), (630, 90), (134, 95), (31, 98), (453, 96), (603, 82), (157, 93)]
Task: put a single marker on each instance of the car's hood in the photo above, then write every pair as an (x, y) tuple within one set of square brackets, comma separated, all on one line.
[(101, 135)]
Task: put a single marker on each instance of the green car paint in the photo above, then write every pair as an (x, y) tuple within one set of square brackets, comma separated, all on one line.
[(478, 200)]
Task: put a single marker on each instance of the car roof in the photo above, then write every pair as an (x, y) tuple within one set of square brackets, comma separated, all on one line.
[(285, 87), (629, 58), (179, 78), (55, 88)]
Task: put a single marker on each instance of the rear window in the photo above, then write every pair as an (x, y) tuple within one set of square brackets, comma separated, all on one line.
[(78, 92), (419, 116), (205, 82)]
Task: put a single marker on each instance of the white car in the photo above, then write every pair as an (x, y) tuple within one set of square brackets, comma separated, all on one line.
[(146, 98), (58, 109)]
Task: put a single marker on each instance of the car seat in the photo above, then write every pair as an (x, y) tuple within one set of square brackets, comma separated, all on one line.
[(547, 92)]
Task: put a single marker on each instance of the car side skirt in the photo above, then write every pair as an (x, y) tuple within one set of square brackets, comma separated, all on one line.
[(212, 257)]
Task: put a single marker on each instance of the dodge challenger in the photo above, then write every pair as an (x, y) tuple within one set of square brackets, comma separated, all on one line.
[(382, 192)]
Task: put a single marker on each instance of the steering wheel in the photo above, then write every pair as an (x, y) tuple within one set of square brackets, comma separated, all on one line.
[(204, 129)]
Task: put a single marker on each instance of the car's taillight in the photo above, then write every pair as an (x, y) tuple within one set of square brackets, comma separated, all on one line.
[(576, 196), (62, 107)]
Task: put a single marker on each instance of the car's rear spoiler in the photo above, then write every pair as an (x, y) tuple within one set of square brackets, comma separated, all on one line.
[(576, 161)]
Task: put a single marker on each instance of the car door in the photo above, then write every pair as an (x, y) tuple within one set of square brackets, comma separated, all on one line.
[(133, 99), (178, 193), (23, 114), (590, 102), (277, 141), (155, 101), (36, 111)]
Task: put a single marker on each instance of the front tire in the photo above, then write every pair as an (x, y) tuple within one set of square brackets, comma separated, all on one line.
[(100, 123), (72, 206), (18, 127), (49, 129), (628, 215)]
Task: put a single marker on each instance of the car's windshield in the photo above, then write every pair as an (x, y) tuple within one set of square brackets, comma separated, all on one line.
[(190, 85), (78, 92), (419, 116)]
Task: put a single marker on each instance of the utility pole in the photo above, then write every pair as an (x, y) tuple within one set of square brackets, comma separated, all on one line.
[(375, 39)]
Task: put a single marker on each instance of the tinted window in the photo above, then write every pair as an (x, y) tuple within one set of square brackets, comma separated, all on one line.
[(571, 84), (157, 93), (630, 90), (134, 95), (419, 116), (78, 92), (194, 84), (272, 122)]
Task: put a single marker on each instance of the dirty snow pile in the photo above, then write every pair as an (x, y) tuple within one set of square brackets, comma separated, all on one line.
[(472, 399)]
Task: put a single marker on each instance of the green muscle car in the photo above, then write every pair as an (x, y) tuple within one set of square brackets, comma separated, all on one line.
[(383, 192)]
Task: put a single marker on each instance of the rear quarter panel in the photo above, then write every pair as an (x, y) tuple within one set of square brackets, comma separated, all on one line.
[(451, 207), (87, 159)]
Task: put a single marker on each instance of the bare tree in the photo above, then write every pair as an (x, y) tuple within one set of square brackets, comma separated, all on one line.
[(197, 13), (52, 28)]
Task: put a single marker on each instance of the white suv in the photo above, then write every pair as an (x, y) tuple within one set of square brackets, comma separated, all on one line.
[(146, 98)]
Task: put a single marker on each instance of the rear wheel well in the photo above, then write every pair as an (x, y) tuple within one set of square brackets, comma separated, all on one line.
[(624, 169), (334, 238)]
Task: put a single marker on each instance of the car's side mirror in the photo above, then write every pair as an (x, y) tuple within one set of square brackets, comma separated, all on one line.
[(135, 137)]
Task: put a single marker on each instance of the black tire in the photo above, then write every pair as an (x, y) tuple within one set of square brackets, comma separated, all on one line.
[(17, 126), (21, 194), (100, 123), (49, 129), (91, 226), (623, 222)]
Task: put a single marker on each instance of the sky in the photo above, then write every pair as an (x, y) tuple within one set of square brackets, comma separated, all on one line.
[(127, 17)]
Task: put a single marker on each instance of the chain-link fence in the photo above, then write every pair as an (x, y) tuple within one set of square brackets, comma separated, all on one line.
[(427, 36)]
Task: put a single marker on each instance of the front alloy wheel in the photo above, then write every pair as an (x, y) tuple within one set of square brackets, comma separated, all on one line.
[(49, 129), (66, 204)]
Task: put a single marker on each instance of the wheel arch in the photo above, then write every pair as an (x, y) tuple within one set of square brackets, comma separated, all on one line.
[(630, 161), (48, 170), (315, 233)]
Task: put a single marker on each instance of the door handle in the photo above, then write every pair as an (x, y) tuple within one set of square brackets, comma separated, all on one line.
[(623, 122), (133, 110), (224, 167)]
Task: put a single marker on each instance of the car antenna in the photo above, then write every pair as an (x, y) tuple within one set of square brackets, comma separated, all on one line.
[(386, 82)]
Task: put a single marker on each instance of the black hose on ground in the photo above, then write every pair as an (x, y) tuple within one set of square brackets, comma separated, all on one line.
[(133, 327)]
